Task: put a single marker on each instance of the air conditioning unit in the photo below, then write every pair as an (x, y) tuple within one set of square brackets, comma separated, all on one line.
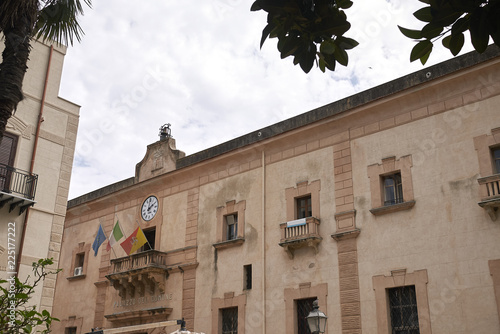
[(78, 271)]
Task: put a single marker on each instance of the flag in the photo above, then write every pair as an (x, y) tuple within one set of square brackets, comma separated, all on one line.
[(134, 241), (115, 236), (99, 239)]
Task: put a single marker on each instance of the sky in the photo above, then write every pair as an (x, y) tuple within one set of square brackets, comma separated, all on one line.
[(198, 65)]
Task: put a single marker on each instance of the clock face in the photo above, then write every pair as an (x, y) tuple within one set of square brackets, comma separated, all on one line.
[(149, 208)]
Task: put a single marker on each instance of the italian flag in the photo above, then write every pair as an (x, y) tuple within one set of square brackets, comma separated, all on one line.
[(115, 236)]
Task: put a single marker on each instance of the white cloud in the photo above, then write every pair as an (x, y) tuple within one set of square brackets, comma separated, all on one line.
[(198, 66)]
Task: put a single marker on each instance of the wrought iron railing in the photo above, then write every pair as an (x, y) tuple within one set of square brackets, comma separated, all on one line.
[(299, 229), (17, 181), (150, 258), (489, 187)]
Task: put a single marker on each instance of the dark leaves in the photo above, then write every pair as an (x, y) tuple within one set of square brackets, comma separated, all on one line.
[(448, 20), (309, 31)]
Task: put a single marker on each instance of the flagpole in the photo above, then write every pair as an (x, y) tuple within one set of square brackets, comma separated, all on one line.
[(151, 248)]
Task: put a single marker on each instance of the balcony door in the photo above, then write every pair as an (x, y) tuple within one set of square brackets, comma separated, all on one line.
[(7, 154)]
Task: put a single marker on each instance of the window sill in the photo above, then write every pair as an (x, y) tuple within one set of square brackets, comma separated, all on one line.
[(74, 278), (229, 243), (392, 208)]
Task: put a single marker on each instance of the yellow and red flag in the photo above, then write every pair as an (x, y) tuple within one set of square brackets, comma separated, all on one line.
[(135, 241)]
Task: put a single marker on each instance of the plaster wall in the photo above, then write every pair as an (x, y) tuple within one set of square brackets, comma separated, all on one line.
[(53, 163), (443, 233)]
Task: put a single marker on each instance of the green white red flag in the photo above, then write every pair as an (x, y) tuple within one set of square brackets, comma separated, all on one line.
[(115, 236)]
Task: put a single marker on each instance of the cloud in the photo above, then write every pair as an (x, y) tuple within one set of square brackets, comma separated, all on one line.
[(198, 66)]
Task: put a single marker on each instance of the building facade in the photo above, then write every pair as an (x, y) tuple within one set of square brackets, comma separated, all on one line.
[(36, 158), (382, 206)]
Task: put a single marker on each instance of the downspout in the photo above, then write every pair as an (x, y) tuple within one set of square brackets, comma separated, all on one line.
[(263, 242), (33, 156)]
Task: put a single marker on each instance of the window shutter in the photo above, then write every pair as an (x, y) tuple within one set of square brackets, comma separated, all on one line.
[(8, 149)]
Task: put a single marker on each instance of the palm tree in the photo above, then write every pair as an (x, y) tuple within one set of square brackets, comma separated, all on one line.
[(20, 22)]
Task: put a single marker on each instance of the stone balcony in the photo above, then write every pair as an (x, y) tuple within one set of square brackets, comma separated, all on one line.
[(489, 188), (147, 272), (300, 233)]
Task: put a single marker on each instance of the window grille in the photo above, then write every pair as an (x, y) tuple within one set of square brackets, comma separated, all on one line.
[(304, 207), (70, 330), (304, 306), (393, 189), (403, 309), (230, 320)]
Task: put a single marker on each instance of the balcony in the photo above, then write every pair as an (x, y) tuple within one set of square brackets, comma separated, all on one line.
[(489, 189), (300, 233), (17, 188), (141, 272)]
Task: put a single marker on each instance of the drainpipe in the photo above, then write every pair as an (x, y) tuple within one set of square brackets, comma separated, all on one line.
[(263, 242), (33, 156)]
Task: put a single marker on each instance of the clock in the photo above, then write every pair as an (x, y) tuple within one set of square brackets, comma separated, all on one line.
[(149, 208)]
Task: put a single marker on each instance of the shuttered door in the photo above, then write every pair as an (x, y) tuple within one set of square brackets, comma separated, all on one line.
[(7, 154)]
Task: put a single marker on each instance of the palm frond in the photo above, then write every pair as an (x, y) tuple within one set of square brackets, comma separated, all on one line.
[(58, 21)]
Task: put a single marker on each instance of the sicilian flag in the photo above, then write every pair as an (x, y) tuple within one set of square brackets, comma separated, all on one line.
[(99, 239), (135, 241), (115, 236)]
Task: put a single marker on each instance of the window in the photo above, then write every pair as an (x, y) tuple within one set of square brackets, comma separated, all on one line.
[(7, 155), (302, 201), (304, 207), (228, 314), (70, 330), (298, 304), (79, 261), (247, 277), (403, 310), (391, 185), (393, 189), (231, 226), (229, 318), (397, 297), (150, 235), (495, 153), (304, 306)]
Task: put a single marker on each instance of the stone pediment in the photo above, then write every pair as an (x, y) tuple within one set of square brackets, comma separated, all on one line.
[(160, 158)]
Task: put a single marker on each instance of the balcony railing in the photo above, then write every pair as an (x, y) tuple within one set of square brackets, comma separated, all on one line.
[(18, 182), (150, 258), (298, 233), (489, 188)]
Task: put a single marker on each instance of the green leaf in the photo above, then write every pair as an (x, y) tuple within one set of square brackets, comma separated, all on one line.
[(460, 25), (420, 50), (431, 30), (327, 47), (344, 4), (346, 43), (255, 6), (410, 33), (456, 43), (446, 41), (322, 65), (424, 14), (478, 30), (265, 33), (341, 56), (424, 58)]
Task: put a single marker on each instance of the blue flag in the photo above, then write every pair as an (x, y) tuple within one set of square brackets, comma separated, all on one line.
[(99, 239)]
